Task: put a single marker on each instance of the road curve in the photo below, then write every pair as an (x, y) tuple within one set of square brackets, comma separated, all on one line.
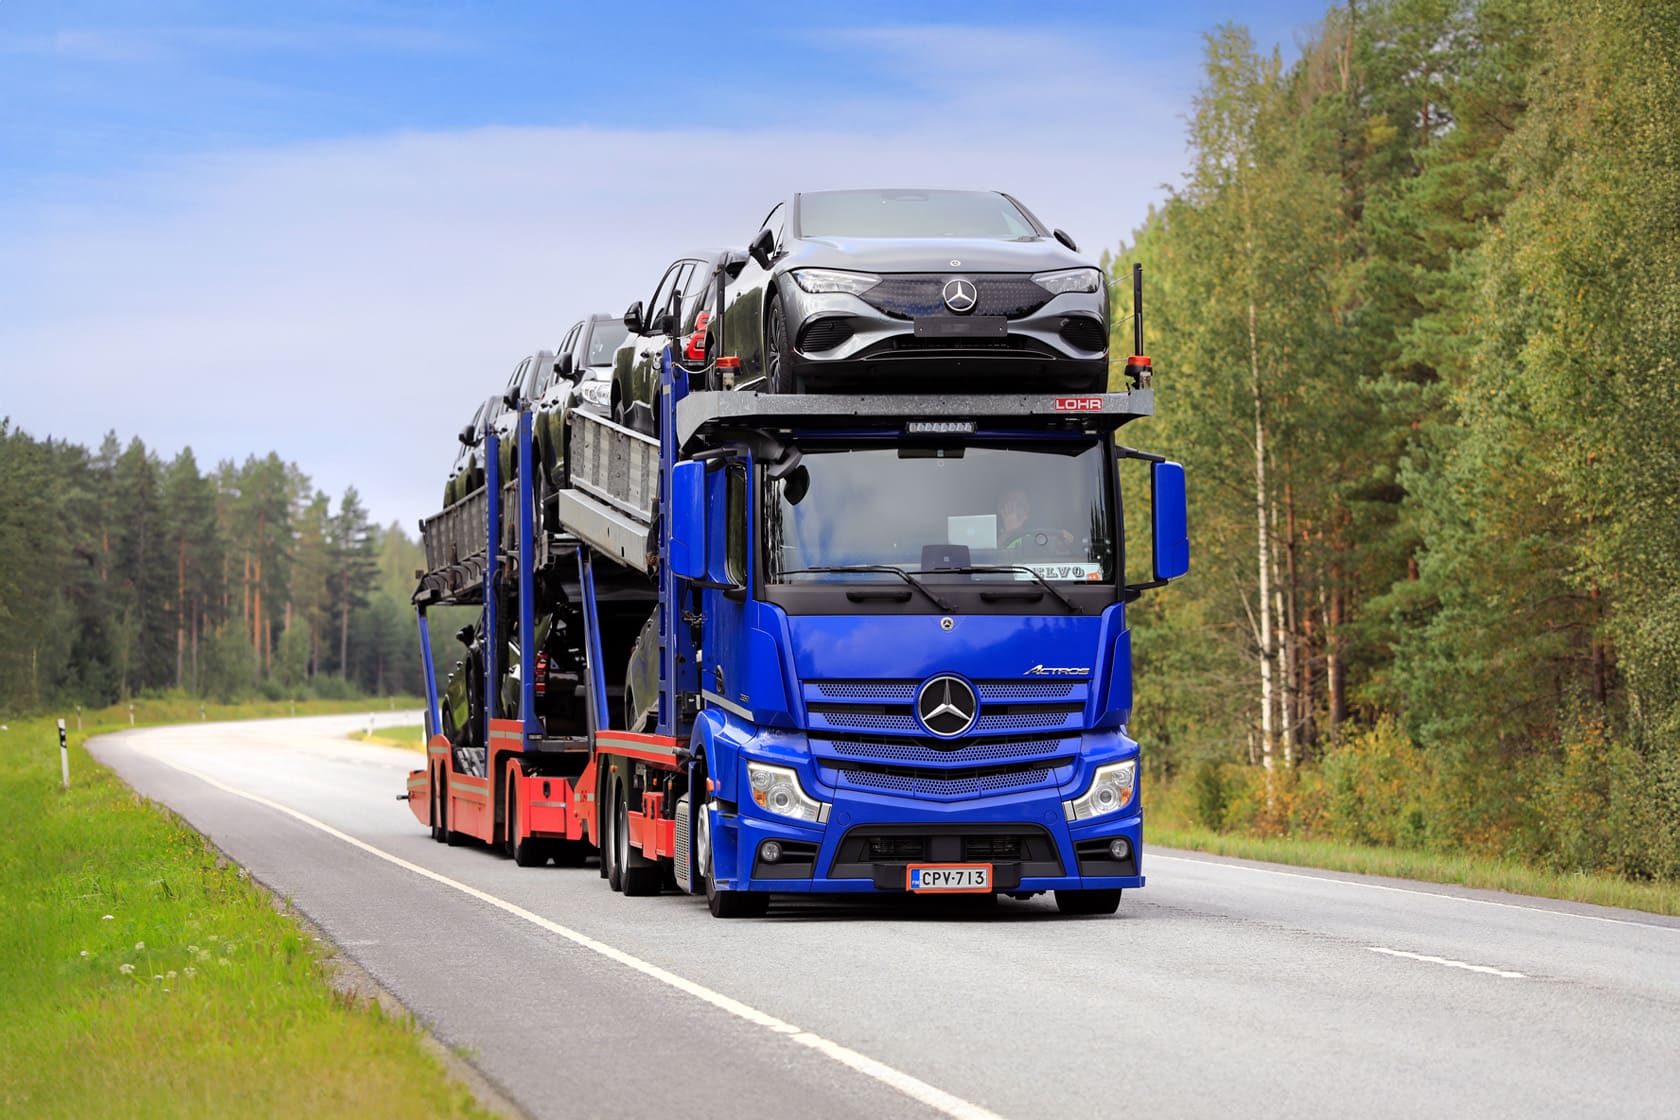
[(1223, 987)]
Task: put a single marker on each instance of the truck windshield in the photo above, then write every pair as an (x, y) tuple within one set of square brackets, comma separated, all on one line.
[(982, 214), (1042, 510)]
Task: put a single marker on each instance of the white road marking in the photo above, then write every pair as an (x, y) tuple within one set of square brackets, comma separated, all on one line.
[(915, 1088), (1156, 854), (1448, 963)]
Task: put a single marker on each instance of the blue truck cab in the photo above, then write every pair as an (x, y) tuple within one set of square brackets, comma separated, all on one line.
[(907, 635)]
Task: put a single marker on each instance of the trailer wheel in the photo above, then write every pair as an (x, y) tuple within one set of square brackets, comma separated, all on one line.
[(638, 875), (450, 836), (437, 809), (608, 812), (527, 852), (1088, 902), (722, 903)]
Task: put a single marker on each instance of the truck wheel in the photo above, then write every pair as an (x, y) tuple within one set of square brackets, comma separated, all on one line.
[(608, 812), (437, 810), (722, 903), (450, 836), (1088, 902), (638, 874), (526, 852)]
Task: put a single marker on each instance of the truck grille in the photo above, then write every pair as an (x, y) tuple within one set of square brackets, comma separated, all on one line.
[(1012, 708), (926, 784), (912, 295), (942, 753)]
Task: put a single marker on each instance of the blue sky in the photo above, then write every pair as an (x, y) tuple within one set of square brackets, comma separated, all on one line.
[(329, 229)]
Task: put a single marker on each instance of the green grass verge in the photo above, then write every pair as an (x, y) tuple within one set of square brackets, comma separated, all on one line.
[(410, 738), (142, 976), (1430, 867)]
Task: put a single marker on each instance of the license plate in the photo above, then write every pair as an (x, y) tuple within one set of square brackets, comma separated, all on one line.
[(964, 326), (948, 877)]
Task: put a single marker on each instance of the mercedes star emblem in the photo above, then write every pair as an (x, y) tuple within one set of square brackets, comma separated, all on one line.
[(946, 705), (961, 296)]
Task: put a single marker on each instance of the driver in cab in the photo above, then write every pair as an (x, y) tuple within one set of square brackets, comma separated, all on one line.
[(1019, 530)]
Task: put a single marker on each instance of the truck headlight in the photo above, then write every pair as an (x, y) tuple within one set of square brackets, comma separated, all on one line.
[(819, 280), (1111, 791), (1069, 280), (777, 790)]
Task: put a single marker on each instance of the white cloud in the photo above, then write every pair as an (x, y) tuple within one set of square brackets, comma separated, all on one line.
[(347, 304)]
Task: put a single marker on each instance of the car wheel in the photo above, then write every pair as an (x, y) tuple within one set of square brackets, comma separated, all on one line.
[(778, 350)]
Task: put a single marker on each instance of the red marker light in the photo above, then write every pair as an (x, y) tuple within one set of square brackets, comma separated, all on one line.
[(695, 351)]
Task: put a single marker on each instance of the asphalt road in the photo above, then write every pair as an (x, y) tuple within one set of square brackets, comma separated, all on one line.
[(1224, 987)]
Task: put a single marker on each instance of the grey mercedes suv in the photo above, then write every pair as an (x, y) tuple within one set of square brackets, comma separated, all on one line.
[(890, 289)]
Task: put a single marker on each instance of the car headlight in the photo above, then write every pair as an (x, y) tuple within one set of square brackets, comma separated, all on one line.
[(1069, 280), (595, 392), (1111, 791), (820, 280), (777, 790)]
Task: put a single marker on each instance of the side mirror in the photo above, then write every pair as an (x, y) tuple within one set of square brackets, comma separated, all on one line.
[(762, 246), (1065, 238), (465, 636), (466, 436), (633, 317), (511, 399), (565, 368), (1171, 516), (688, 520)]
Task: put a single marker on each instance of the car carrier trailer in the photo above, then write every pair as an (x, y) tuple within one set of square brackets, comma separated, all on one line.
[(948, 726)]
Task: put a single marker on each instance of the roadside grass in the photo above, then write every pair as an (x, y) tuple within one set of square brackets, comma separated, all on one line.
[(1426, 866), (409, 738), (141, 975)]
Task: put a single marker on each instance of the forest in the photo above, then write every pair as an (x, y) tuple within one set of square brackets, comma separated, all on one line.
[(127, 576), (1415, 316)]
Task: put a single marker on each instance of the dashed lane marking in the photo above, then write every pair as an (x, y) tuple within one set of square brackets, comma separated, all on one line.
[(913, 1087), (1448, 963)]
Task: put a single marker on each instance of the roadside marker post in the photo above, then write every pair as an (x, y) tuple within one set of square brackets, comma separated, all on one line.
[(64, 754), (131, 715)]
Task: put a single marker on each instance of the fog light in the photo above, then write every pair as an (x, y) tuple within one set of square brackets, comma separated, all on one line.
[(1119, 848), (771, 852)]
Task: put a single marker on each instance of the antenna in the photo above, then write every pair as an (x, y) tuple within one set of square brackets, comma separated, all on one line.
[(1137, 309), (1137, 366)]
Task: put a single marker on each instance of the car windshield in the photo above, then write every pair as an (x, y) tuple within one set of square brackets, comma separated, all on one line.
[(604, 340), (982, 214), (1044, 509)]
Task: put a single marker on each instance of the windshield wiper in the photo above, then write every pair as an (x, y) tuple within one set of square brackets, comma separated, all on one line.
[(1042, 582), (893, 569)]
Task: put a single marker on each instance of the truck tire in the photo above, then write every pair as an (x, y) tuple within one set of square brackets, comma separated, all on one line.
[(437, 808), (526, 852), (450, 836), (1088, 902), (638, 875), (607, 813), (722, 903)]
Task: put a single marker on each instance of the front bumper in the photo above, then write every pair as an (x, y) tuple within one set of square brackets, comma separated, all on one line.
[(874, 343), (869, 840)]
